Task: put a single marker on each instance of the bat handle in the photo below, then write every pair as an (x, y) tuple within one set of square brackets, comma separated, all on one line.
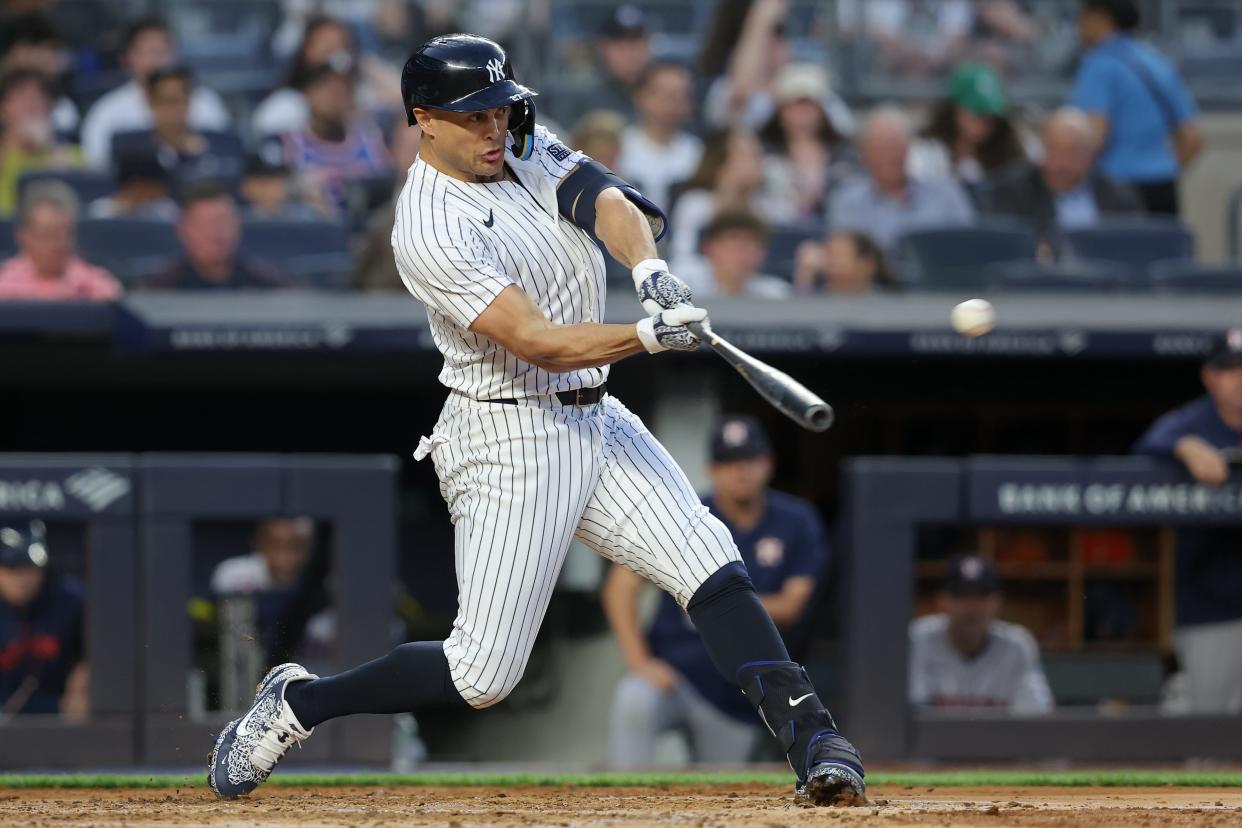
[(703, 330)]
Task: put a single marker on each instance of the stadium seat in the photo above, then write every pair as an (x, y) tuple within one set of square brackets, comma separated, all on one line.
[(313, 252), (1134, 243), (783, 241), (1178, 276), (130, 248), (8, 242), (87, 184), (957, 257), (1061, 278)]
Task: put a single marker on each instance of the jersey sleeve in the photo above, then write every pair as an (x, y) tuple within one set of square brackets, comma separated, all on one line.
[(447, 266), (554, 158), (1162, 437)]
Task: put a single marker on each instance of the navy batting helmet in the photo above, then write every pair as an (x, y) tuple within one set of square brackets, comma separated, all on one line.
[(468, 73)]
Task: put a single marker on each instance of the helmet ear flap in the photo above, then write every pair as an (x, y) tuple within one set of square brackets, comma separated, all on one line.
[(522, 125)]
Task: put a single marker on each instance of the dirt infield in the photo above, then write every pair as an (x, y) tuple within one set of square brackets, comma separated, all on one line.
[(762, 806)]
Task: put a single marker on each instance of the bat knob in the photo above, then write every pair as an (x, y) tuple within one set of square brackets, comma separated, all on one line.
[(819, 417)]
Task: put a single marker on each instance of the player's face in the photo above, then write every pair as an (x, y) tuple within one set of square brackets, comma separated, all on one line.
[(20, 584), (969, 616), (741, 480), (1225, 386), (470, 144)]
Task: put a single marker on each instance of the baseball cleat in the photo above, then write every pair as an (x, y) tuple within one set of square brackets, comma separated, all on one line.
[(247, 749), (835, 773)]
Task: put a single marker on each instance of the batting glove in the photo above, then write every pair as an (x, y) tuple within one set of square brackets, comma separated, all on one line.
[(667, 329), (657, 288)]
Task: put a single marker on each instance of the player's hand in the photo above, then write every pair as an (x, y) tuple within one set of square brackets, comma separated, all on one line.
[(657, 288), (658, 674), (667, 329), (1205, 463)]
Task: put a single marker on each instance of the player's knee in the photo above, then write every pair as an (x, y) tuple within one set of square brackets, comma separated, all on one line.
[(636, 703), (486, 691), (728, 580)]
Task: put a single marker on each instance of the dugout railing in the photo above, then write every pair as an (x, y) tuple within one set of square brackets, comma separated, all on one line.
[(138, 514), (886, 502)]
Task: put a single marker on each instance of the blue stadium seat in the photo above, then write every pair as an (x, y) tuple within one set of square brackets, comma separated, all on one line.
[(1133, 243), (8, 243), (1178, 276), (313, 252), (87, 184), (130, 248), (783, 241), (1061, 278), (958, 257)]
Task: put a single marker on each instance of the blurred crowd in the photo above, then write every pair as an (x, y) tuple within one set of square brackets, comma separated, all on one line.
[(121, 167)]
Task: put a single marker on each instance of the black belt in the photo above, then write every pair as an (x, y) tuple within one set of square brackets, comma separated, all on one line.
[(579, 396)]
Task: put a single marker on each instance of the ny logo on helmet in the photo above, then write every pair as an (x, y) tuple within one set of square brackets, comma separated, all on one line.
[(495, 70)]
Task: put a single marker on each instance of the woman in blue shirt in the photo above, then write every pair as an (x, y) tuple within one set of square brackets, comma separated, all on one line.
[(1142, 114)]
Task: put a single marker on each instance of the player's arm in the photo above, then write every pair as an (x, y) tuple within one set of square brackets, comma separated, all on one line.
[(786, 606), (514, 321), (619, 597)]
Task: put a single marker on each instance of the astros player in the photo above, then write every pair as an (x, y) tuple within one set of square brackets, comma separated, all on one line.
[(494, 234)]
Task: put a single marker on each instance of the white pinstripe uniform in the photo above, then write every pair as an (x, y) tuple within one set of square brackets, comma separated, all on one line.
[(521, 481)]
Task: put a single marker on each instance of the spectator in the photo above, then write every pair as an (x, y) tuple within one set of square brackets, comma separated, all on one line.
[(658, 152), (807, 156), (46, 266), (148, 45), (885, 201), (41, 656), (963, 657), (280, 550), (671, 682), (914, 38), (730, 176), (336, 143), (845, 262), (622, 49), (268, 189), (32, 41), (27, 137), (1205, 435), (141, 190), (324, 40), (1062, 192), (210, 232), (1143, 117), (745, 54), (598, 134), (186, 153), (970, 136), (734, 245)]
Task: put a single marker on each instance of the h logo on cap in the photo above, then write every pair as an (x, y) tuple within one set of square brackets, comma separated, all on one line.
[(495, 70)]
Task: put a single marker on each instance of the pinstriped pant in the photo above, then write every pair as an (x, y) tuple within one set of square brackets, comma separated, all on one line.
[(521, 481)]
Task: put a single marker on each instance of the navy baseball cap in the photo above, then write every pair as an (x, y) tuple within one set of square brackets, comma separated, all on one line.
[(739, 437), (1226, 350), (626, 21), (23, 546), (971, 575)]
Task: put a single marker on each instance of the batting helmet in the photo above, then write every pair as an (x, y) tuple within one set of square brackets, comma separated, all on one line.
[(468, 73)]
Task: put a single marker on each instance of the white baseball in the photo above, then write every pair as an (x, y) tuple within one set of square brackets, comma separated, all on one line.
[(974, 317)]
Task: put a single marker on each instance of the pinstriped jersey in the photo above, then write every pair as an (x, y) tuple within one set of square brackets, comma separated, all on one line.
[(458, 244)]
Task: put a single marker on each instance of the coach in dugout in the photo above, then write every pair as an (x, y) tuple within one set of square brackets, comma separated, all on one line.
[(672, 685), (964, 657), (1205, 435)]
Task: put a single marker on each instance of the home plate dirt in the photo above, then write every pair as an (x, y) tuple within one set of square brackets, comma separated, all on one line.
[(700, 806)]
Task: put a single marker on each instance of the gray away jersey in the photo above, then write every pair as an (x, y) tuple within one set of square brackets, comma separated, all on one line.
[(1007, 675), (458, 244)]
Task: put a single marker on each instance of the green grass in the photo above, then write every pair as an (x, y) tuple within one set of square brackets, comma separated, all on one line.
[(941, 779)]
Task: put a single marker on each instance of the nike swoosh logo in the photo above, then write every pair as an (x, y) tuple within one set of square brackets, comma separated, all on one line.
[(243, 726), (490, 220), (795, 702)]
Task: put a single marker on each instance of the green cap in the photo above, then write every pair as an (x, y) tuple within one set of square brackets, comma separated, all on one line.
[(977, 88)]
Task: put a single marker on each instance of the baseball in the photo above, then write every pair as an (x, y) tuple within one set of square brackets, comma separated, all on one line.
[(974, 317)]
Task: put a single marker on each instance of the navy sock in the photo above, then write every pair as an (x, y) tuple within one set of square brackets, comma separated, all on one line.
[(734, 626), (410, 676)]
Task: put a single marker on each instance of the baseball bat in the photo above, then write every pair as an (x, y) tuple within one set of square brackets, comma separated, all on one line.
[(786, 394)]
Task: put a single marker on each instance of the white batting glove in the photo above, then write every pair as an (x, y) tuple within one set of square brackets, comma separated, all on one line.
[(657, 288), (667, 329)]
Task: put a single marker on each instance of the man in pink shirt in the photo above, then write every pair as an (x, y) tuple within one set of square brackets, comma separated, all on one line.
[(47, 266)]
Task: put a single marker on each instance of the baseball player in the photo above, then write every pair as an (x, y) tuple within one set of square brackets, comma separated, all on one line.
[(494, 233)]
